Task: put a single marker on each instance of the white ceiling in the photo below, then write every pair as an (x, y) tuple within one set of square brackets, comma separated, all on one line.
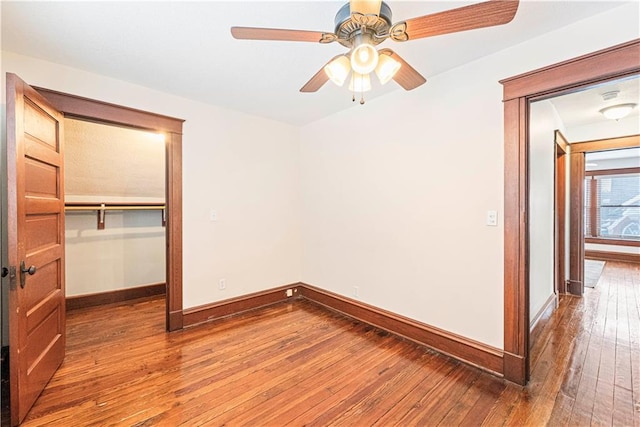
[(185, 48), (582, 108)]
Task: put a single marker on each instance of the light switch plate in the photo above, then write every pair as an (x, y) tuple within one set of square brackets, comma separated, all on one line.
[(492, 218)]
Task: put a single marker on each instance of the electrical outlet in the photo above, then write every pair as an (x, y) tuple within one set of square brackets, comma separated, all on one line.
[(356, 291), (222, 284), (213, 215), (289, 293)]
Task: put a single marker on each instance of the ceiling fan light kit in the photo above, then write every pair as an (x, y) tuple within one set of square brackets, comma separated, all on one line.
[(387, 68), (360, 83), (338, 70), (361, 25), (364, 57)]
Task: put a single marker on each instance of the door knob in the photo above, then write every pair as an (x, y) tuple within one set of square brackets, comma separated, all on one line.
[(31, 270), (23, 268)]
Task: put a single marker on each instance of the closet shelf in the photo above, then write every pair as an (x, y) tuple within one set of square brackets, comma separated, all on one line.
[(102, 208)]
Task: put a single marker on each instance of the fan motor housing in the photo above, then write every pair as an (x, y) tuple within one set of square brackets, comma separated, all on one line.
[(350, 25)]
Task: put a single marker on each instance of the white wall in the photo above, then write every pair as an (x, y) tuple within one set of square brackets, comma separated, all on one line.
[(544, 121), (395, 192), (244, 167), (612, 248), (112, 161), (129, 252)]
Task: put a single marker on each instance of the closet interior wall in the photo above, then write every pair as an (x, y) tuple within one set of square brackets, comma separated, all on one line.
[(121, 244)]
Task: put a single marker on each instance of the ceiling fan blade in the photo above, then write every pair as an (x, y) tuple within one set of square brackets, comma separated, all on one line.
[(318, 80), (407, 76), (480, 15), (365, 7), (253, 33)]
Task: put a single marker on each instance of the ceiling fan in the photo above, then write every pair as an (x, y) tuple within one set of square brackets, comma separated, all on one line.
[(360, 25)]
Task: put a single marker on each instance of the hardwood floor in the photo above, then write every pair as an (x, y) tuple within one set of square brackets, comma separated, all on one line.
[(299, 364)]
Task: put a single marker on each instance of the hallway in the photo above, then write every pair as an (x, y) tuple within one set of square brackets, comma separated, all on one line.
[(588, 356)]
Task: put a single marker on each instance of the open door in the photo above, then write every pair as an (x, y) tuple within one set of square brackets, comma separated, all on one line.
[(561, 148), (35, 243)]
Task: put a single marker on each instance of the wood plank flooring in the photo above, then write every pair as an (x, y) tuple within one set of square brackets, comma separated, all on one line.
[(299, 364)]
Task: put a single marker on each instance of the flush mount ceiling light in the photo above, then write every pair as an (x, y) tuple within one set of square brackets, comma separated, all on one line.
[(617, 112), (361, 25)]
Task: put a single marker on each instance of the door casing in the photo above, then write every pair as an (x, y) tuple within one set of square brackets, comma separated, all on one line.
[(608, 64), (93, 110)]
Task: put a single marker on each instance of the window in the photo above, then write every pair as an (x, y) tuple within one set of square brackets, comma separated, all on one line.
[(612, 204)]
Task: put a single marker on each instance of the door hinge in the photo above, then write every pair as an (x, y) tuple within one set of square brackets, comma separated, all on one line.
[(11, 272)]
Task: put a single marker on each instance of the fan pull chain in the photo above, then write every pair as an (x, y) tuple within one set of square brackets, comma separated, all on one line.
[(353, 97)]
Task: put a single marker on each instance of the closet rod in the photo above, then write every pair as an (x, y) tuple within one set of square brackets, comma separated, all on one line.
[(102, 208)]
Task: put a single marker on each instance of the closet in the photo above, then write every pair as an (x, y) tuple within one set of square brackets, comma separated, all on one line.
[(115, 213)]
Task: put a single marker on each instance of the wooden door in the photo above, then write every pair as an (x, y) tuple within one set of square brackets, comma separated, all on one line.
[(35, 243)]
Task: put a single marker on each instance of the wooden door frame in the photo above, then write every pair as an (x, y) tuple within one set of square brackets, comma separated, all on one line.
[(577, 249), (575, 286), (609, 64), (560, 199), (97, 111)]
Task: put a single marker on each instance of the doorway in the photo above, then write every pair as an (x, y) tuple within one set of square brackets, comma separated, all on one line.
[(610, 64), (558, 122), (579, 128), (102, 112)]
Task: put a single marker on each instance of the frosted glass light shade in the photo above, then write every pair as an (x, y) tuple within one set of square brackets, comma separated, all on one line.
[(617, 112), (338, 70), (364, 58), (387, 68), (360, 83)]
